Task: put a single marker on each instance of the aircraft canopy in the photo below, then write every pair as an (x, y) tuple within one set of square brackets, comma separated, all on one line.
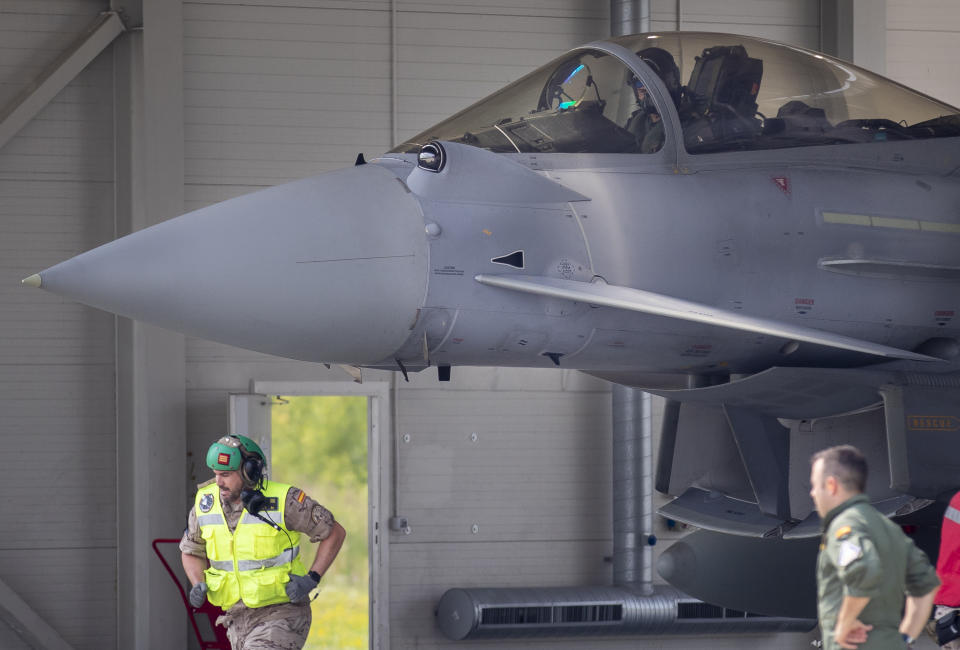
[(728, 93)]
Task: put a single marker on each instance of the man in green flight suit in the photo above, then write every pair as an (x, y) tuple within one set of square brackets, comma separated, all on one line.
[(866, 566)]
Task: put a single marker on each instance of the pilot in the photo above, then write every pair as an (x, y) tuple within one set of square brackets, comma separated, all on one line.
[(255, 574), (645, 122), (867, 569)]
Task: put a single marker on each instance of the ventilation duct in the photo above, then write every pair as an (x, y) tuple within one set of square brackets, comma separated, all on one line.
[(634, 606), (577, 611)]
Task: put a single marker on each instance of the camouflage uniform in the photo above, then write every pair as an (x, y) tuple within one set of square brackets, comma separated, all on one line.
[(865, 555), (275, 627)]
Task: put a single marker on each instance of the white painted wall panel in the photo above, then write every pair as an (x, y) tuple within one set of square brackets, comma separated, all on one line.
[(57, 358), (276, 92), (790, 21), (540, 468), (923, 37), (451, 54)]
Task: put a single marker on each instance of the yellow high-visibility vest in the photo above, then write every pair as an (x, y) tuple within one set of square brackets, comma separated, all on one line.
[(254, 562)]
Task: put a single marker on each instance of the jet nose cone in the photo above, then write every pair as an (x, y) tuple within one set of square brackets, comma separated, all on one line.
[(34, 281), (330, 268)]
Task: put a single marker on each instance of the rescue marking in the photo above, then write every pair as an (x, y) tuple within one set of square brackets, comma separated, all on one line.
[(698, 350), (943, 316), (933, 423), (783, 183)]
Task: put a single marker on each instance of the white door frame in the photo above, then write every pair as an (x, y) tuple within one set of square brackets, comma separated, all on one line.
[(378, 483)]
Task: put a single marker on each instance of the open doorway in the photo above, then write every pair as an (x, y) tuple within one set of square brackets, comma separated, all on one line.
[(320, 444)]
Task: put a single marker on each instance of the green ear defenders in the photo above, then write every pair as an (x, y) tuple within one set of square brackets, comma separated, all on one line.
[(238, 453)]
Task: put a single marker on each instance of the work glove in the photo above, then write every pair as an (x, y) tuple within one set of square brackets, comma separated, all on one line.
[(198, 595), (299, 587)]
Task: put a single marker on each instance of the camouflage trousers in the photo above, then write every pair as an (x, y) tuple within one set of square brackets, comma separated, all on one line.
[(275, 627)]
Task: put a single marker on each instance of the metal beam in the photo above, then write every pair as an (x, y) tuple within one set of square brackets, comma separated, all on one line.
[(25, 106), (27, 623), (855, 30)]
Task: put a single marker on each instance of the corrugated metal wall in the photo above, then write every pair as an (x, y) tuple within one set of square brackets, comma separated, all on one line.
[(277, 90), (923, 38), (505, 482), (57, 410)]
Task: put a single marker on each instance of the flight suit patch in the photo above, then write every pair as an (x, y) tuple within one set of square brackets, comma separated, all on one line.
[(843, 532), (272, 503), (849, 551), (206, 502)]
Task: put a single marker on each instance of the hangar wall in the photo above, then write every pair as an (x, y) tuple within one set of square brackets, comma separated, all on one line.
[(922, 37), (57, 406), (537, 482), (275, 91)]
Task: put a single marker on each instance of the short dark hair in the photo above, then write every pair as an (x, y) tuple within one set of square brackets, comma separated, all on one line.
[(845, 463)]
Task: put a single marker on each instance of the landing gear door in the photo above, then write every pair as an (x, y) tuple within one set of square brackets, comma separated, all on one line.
[(250, 416)]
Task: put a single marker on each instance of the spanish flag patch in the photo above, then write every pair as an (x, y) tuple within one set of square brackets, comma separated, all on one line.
[(843, 532), (301, 497)]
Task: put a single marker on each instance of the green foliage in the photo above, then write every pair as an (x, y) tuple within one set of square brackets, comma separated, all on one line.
[(319, 444), (341, 616), (321, 437)]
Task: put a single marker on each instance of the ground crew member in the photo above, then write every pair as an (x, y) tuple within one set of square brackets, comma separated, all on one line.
[(249, 565), (948, 566), (866, 566)]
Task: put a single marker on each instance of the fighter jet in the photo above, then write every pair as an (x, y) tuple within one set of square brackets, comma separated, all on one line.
[(766, 236)]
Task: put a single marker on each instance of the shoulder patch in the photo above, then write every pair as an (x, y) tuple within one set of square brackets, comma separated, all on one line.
[(843, 531), (301, 496), (849, 551), (206, 502)]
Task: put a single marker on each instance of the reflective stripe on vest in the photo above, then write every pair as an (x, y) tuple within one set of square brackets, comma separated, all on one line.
[(211, 520), (252, 565), (952, 514), (289, 555), (272, 515)]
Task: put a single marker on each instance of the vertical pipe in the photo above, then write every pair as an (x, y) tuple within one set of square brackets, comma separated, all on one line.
[(629, 17), (394, 111), (632, 489)]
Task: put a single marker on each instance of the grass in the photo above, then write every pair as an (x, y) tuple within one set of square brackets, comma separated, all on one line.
[(341, 617), (320, 445)]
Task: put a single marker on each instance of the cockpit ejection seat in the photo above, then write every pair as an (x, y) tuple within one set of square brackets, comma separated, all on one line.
[(723, 91)]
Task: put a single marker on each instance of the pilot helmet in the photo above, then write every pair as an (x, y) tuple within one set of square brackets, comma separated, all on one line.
[(238, 453), (663, 64)]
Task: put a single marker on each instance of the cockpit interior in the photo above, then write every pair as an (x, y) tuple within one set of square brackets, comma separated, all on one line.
[(709, 92)]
